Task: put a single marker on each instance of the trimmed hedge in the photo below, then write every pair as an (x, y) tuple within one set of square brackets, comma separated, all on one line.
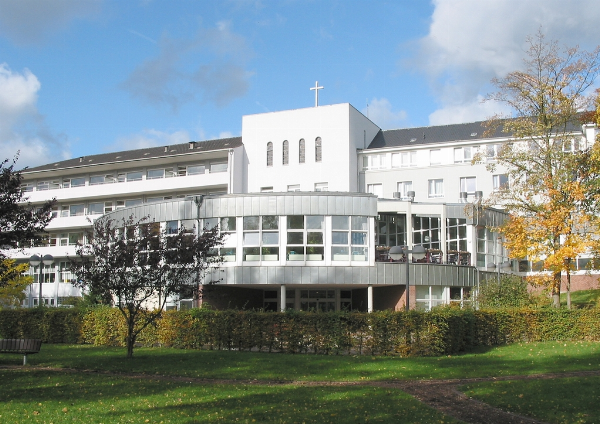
[(50, 325), (442, 331)]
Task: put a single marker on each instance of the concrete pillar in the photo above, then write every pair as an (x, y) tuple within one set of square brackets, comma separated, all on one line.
[(282, 298), (370, 299)]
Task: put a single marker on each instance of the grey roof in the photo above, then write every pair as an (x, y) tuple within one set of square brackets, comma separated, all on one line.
[(139, 154), (442, 134), (430, 135)]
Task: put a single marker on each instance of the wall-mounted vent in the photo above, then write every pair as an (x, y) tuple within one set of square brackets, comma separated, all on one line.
[(397, 195), (478, 195), (462, 197), (410, 195)]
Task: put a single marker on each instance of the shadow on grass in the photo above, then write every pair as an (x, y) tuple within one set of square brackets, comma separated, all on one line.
[(521, 358), (102, 398)]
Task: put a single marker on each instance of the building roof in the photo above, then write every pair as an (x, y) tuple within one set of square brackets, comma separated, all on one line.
[(431, 135), (443, 134), (140, 154)]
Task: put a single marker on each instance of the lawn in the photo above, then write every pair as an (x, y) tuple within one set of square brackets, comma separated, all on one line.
[(34, 394), (561, 400), (582, 298), (520, 358)]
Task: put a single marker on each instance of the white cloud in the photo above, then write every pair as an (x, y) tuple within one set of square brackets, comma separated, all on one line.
[(472, 41), (148, 138), (225, 134), (30, 21), (22, 127), (381, 113), (211, 67)]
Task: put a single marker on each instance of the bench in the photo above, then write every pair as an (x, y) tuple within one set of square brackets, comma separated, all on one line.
[(21, 346)]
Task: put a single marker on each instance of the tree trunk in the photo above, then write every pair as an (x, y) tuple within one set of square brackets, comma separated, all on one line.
[(568, 288), (130, 335), (556, 289)]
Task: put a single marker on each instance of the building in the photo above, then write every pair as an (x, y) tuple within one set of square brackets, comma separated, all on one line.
[(311, 201)]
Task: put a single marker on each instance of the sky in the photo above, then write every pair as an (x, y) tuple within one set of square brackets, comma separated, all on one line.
[(82, 77)]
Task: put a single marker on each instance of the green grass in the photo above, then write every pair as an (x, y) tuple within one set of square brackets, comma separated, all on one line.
[(561, 400), (582, 298), (519, 358), (38, 396)]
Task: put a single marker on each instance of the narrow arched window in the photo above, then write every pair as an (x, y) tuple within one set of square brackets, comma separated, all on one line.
[(269, 154), (286, 152), (301, 151), (318, 150)]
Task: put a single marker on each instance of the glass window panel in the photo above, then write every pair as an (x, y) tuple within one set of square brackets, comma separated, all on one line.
[(77, 182), (251, 222), (315, 222), (314, 237), (134, 176), (251, 239), (218, 167), (315, 253), (359, 238), (340, 253), (76, 210), (228, 224), (295, 238), (270, 238), (209, 223), (295, 253), (251, 254), (196, 169), (295, 222), (339, 237), (133, 202), (171, 227), (96, 208), (339, 222), (360, 223), (155, 173), (270, 222)]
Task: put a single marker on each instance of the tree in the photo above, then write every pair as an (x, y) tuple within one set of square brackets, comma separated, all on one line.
[(12, 292), (510, 291), (139, 265), (21, 224), (545, 194)]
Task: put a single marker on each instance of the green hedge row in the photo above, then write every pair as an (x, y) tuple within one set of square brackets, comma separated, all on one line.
[(442, 331)]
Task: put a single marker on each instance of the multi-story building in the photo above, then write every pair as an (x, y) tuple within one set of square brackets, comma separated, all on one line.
[(311, 201)]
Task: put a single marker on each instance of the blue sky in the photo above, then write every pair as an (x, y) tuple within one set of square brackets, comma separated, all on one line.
[(80, 77)]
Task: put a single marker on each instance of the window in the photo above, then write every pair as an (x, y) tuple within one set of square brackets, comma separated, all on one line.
[(302, 151), (463, 154), (75, 238), (133, 202), (492, 151), (468, 185), (376, 189), (408, 159), (318, 150), (304, 238), (375, 161), (269, 154), (73, 182), (456, 241), (155, 173), (435, 157), (500, 182), (218, 166), (427, 231), (102, 179), (286, 152), (391, 231), (195, 169), (349, 238), (48, 185), (321, 186), (266, 189), (76, 210), (435, 188), (261, 238), (294, 187), (27, 187), (404, 187), (96, 208), (134, 176)]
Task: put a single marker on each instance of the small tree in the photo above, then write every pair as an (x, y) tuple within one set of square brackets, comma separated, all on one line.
[(141, 267), (508, 292), (12, 292), (21, 224), (544, 195)]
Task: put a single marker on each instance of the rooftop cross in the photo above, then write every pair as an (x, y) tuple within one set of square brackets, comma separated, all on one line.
[(316, 88)]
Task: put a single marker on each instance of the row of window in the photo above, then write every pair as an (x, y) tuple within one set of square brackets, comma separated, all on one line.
[(285, 159), (463, 154), (219, 165), (106, 206), (435, 187), (296, 187)]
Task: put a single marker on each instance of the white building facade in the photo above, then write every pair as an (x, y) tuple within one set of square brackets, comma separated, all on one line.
[(311, 201)]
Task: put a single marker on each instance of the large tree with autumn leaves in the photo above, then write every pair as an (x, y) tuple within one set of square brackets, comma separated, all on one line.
[(546, 193)]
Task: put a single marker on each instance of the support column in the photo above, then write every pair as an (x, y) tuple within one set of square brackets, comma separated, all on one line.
[(282, 298), (370, 299)]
